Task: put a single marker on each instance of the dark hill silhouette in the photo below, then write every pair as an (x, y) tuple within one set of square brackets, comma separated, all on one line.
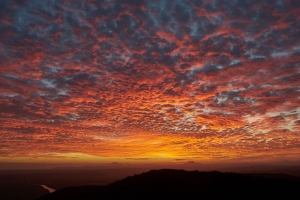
[(180, 184)]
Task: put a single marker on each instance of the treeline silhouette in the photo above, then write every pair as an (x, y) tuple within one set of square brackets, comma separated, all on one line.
[(180, 184)]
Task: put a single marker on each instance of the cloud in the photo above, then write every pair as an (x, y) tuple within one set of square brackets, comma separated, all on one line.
[(202, 74)]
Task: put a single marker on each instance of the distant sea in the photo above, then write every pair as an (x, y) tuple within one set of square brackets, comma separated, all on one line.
[(48, 188)]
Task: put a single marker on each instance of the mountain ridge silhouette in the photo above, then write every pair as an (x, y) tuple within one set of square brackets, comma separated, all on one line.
[(181, 184)]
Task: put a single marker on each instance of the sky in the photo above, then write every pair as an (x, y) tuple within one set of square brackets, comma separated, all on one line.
[(149, 81)]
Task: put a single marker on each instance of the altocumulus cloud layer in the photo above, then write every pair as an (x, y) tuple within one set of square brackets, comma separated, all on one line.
[(147, 79)]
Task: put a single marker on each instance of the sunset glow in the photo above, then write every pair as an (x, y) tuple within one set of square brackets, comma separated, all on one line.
[(149, 81)]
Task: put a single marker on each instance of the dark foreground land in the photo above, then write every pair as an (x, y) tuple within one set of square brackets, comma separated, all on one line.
[(25, 184), (180, 184)]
